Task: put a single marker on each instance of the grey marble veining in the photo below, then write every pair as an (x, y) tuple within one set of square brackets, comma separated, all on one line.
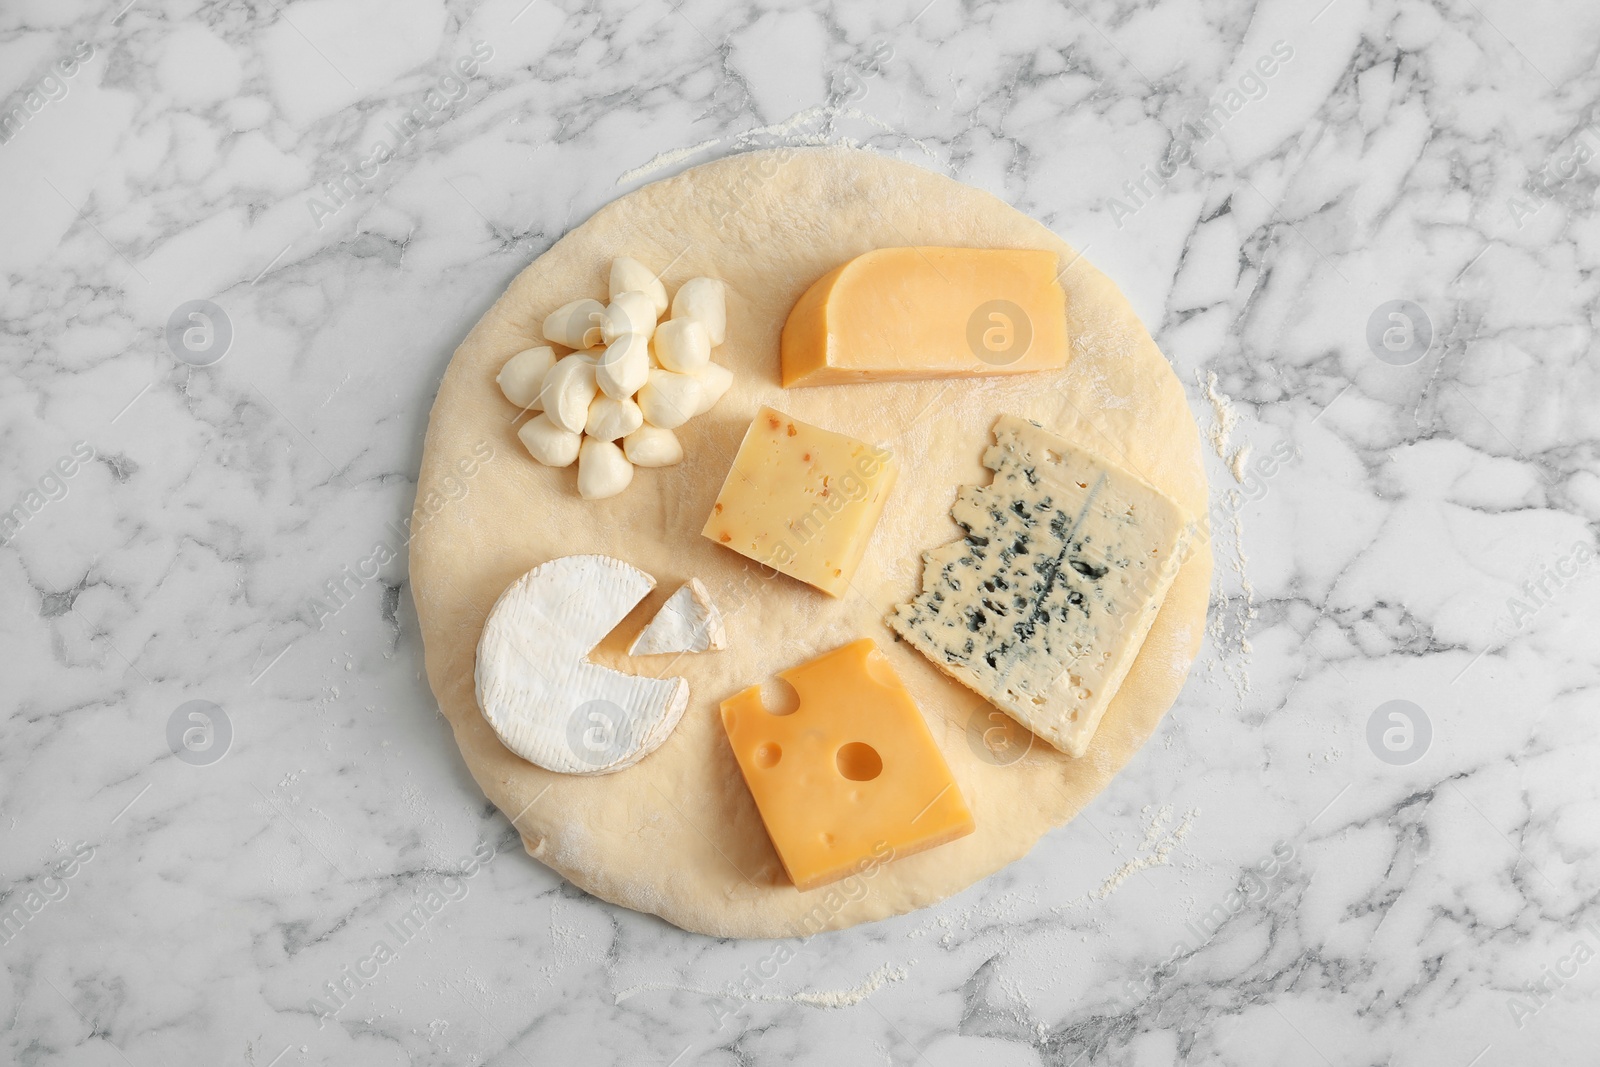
[(1296, 869)]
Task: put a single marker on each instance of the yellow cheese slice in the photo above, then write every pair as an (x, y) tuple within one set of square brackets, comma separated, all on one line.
[(802, 500), (898, 313), (850, 779)]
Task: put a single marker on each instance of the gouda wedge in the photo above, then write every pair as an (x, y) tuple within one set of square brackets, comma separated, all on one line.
[(898, 313)]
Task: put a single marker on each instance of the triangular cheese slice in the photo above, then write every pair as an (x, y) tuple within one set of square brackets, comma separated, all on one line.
[(687, 622)]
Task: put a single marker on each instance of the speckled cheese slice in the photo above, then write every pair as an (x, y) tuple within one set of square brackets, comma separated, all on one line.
[(1043, 606), (802, 500)]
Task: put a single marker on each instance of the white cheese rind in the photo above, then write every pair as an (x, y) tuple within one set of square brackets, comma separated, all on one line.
[(539, 692), (1043, 607), (687, 622)]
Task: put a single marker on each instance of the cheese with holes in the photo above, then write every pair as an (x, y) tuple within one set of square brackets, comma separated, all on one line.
[(1042, 608), (802, 500), (851, 778), (897, 313), (687, 622), (539, 692)]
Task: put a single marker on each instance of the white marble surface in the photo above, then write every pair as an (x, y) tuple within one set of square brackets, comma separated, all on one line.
[(179, 913)]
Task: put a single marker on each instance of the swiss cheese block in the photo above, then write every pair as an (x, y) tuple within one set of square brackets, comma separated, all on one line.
[(897, 313), (802, 500), (851, 778), (1042, 608)]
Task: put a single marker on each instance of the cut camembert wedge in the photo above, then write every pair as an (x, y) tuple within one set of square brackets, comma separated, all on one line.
[(537, 688), (1044, 605)]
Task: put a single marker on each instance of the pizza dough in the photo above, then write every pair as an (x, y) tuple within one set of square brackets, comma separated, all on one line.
[(678, 834)]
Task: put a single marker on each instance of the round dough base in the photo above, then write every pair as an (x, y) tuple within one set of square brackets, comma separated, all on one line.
[(678, 834)]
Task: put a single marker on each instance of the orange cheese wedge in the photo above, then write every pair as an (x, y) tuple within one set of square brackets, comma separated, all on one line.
[(898, 313), (850, 779)]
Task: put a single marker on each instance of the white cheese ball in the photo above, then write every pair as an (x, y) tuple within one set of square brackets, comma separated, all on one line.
[(623, 366), (610, 419), (683, 345), (630, 276), (652, 446), (714, 381), (568, 391), (703, 299), (602, 470), (669, 399), (576, 325), (631, 312), (523, 375), (549, 443)]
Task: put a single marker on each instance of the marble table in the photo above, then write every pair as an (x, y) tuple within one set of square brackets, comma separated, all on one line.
[(1362, 232)]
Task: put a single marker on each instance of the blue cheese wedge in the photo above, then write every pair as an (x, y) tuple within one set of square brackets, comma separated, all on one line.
[(1042, 607)]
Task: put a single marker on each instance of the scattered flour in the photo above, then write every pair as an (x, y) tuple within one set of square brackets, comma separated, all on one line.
[(836, 998), (1155, 849), (1240, 560), (1230, 624), (1153, 831), (844, 998), (667, 159), (796, 129), (1236, 462), (991, 917), (1224, 416), (819, 114)]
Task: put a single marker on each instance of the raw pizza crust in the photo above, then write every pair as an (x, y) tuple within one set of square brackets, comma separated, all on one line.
[(677, 834)]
